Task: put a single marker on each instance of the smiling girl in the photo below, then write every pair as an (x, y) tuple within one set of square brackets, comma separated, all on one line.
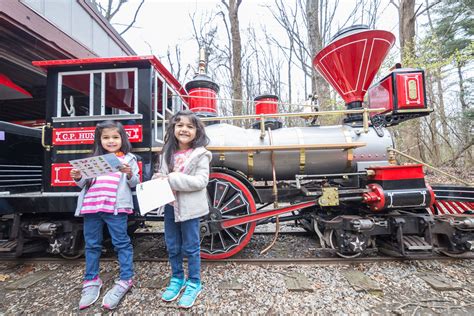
[(185, 163), (107, 200)]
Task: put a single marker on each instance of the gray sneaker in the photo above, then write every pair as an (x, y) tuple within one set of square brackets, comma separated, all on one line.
[(116, 293), (90, 293)]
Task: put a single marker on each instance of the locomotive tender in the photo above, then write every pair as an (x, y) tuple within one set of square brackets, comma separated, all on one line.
[(340, 182)]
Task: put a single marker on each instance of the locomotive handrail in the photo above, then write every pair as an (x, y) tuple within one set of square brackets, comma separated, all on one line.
[(279, 147), (43, 142), (365, 116), (286, 147), (429, 166), (299, 114)]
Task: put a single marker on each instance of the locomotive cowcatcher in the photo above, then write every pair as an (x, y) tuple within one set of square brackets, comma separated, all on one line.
[(340, 182)]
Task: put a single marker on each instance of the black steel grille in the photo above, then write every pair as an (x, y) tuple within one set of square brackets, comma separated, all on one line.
[(20, 178)]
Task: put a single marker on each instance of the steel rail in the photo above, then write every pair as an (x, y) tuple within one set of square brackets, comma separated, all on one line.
[(249, 261)]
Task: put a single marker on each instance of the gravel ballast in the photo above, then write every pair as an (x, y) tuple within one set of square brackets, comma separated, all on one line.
[(230, 288)]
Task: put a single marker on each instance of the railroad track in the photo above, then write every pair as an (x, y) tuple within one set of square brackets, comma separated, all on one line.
[(321, 256), (294, 233), (253, 261)]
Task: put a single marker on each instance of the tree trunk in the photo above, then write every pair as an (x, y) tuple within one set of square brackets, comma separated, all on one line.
[(439, 109), (430, 94), (233, 7), (407, 19), (466, 126), (319, 85)]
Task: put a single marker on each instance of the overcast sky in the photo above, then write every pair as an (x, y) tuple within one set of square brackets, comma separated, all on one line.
[(165, 23)]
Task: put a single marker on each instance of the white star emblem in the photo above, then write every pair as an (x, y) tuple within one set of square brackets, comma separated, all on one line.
[(357, 244), (55, 247)]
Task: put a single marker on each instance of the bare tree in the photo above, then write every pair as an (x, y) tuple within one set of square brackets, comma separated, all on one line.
[(406, 27), (309, 25), (112, 8), (173, 56), (436, 76), (406, 23), (319, 85), (205, 34), (233, 15)]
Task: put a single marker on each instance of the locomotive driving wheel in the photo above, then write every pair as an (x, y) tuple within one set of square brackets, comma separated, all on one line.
[(228, 198)]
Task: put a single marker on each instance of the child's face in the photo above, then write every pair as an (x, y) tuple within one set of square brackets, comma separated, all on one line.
[(111, 140), (185, 132)]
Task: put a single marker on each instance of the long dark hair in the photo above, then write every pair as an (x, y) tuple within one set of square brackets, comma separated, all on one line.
[(98, 149), (171, 145)]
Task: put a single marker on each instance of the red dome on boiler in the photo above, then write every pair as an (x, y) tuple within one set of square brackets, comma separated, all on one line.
[(351, 61)]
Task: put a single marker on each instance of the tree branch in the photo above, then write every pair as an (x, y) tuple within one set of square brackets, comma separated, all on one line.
[(134, 18), (111, 14), (426, 9), (394, 4)]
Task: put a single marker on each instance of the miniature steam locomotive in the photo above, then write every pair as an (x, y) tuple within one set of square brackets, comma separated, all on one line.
[(340, 182)]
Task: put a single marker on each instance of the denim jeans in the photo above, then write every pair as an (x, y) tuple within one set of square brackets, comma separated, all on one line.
[(182, 240), (117, 226)]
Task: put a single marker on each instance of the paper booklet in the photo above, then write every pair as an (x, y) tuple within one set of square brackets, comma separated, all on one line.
[(153, 194), (98, 165)]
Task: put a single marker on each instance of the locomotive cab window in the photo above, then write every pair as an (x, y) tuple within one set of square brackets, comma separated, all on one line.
[(98, 92), (166, 102)]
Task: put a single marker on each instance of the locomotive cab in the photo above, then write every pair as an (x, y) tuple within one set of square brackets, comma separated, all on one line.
[(136, 91)]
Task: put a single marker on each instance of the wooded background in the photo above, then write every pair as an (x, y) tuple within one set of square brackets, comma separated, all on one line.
[(435, 35)]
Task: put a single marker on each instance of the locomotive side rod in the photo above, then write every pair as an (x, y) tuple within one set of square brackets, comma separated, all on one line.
[(227, 223), (214, 226)]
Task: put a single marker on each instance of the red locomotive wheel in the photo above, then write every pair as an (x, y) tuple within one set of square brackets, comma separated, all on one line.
[(228, 198)]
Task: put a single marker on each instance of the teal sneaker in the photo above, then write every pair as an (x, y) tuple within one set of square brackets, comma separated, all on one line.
[(174, 288), (190, 294)]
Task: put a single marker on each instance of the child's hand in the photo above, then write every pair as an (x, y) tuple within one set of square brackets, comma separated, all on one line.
[(125, 168), (76, 174)]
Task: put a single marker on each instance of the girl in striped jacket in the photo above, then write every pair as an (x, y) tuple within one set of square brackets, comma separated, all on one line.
[(107, 200)]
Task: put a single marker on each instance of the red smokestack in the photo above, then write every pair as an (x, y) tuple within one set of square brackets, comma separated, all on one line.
[(350, 62)]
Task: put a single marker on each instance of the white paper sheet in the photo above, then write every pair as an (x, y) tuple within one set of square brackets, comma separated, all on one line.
[(153, 194), (92, 167)]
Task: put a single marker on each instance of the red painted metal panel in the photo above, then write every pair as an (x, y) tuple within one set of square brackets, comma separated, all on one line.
[(85, 135), (397, 172), (410, 91), (60, 174), (381, 96)]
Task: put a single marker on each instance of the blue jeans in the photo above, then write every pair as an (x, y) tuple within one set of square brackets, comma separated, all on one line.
[(117, 226), (182, 240)]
